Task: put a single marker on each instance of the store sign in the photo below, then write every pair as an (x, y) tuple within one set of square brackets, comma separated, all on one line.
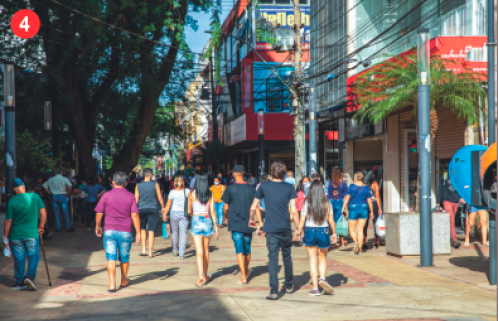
[(283, 15), (238, 130), (341, 135), (247, 84)]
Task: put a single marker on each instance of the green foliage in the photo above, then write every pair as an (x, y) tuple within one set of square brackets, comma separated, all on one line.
[(32, 156), (214, 152), (392, 86)]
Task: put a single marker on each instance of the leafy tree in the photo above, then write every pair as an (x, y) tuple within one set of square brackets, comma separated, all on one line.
[(106, 64), (392, 86)]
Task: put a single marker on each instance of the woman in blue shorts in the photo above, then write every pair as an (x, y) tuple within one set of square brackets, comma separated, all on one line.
[(359, 199), (201, 208), (336, 192), (317, 216)]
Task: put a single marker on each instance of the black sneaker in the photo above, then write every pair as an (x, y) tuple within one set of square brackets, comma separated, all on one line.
[(71, 230), (30, 285), (18, 287), (456, 244), (364, 247), (290, 290)]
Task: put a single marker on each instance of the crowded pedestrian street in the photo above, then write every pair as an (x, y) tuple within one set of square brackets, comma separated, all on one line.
[(372, 286)]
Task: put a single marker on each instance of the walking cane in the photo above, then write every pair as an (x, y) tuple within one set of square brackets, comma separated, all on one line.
[(45, 258)]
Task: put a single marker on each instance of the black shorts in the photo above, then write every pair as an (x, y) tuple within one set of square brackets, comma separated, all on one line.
[(149, 217)]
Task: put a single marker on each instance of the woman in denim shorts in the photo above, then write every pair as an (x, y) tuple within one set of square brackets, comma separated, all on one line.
[(201, 208), (317, 216), (359, 199)]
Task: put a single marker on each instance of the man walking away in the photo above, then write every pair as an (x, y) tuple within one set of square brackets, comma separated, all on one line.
[(120, 210), (60, 188), (238, 198), (277, 225), (23, 230)]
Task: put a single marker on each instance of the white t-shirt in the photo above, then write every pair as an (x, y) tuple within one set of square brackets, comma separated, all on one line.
[(178, 199), (309, 220)]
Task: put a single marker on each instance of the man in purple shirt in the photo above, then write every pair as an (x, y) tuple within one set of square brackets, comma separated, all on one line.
[(120, 210)]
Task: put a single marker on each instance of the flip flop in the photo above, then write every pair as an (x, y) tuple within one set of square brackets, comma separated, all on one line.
[(124, 286), (111, 290), (199, 285), (241, 283), (142, 254)]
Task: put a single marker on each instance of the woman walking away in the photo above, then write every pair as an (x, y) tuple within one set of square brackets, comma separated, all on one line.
[(179, 223), (360, 201), (483, 217), (93, 191), (377, 209), (150, 202), (336, 192), (318, 217), (200, 207), (304, 184)]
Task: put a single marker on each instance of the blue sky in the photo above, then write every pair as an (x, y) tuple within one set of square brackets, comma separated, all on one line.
[(198, 39)]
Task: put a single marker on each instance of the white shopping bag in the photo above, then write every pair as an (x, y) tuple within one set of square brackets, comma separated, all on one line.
[(380, 226), (6, 250)]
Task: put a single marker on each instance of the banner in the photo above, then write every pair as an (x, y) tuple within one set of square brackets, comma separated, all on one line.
[(284, 15)]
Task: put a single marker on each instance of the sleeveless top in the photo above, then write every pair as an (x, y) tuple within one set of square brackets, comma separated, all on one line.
[(147, 193)]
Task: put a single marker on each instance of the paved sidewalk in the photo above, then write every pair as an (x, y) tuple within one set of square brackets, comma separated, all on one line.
[(372, 286)]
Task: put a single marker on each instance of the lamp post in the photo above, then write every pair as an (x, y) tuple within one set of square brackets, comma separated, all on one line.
[(312, 133), (10, 126), (261, 131), (424, 144)]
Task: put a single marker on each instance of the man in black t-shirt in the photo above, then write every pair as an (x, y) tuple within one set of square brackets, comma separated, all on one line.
[(279, 196), (237, 198)]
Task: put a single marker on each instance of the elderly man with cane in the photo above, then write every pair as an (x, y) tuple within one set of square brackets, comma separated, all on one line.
[(24, 222)]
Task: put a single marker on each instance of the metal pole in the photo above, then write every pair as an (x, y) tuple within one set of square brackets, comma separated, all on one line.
[(493, 246), (10, 127), (261, 156), (312, 134), (424, 143)]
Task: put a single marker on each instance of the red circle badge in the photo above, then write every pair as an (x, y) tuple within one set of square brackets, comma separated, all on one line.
[(25, 24)]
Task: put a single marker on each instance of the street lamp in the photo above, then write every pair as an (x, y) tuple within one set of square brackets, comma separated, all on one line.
[(261, 132), (424, 143)]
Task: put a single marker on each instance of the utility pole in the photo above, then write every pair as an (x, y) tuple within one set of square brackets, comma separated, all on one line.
[(214, 106), (10, 126), (312, 133), (493, 246), (299, 134)]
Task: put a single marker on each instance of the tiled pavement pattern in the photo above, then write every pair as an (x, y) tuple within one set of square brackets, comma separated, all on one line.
[(371, 286)]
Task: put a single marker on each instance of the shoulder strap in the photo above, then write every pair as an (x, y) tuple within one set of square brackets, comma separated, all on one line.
[(352, 198)]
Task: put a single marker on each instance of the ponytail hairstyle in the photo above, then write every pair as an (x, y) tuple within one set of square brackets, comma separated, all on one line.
[(318, 203)]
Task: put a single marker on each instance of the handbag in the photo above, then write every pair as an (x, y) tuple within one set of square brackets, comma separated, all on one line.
[(380, 226), (342, 227), (165, 230), (185, 205)]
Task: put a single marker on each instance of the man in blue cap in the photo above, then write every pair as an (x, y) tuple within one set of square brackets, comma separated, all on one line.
[(22, 230)]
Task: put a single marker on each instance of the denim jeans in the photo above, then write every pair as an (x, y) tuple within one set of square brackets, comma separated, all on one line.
[(20, 249), (90, 213), (218, 208), (242, 242), (117, 241), (274, 242), (60, 204)]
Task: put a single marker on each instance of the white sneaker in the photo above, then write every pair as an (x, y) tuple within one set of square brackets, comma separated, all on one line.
[(30, 285)]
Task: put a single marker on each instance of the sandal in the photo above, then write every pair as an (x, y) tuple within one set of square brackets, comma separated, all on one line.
[(206, 281), (111, 290), (142, 254), (200, 283), (124, 286)]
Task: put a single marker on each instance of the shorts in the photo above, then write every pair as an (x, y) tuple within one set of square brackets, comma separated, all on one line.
[(476, 209), (115, 241), (149, 217), (337, 208), (242, 242), (317, 237), (358, 212), (202, 226)]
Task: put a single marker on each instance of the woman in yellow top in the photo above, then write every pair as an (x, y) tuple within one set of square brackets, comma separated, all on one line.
[(217, 190)]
